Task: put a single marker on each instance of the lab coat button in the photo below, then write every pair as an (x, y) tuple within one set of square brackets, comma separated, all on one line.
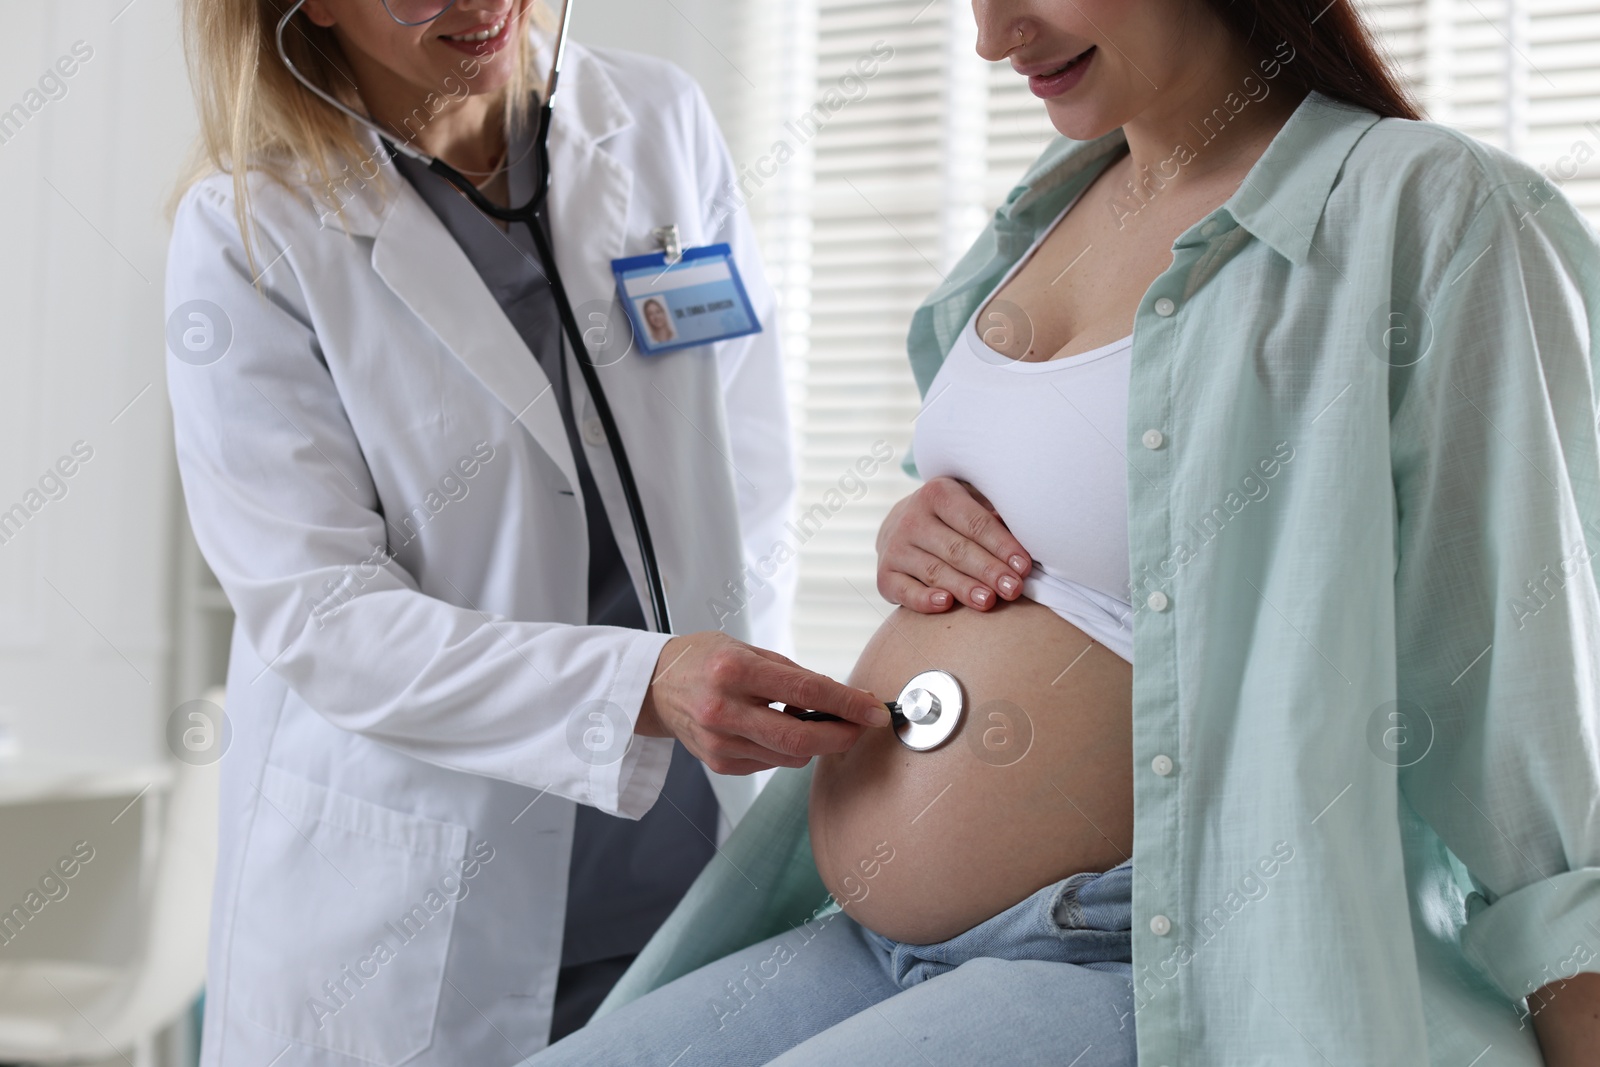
[(1162, 765), (1157, 601), (593, 432), (1153, 438), (1165, 306), (1160, 925), (1208, 229)]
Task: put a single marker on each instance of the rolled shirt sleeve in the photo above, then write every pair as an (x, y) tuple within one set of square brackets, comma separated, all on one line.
[(1498, 619)]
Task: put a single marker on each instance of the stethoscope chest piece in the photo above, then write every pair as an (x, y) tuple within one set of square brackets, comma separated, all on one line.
[(928, 710)]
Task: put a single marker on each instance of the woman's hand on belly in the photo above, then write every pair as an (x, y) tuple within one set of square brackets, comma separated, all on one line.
[(1035, 784), (945, 540)]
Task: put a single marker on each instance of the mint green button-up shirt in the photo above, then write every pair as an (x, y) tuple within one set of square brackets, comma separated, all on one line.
[(1366, 685)]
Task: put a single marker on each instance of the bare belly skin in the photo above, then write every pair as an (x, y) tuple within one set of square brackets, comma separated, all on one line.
[(1036, 783)]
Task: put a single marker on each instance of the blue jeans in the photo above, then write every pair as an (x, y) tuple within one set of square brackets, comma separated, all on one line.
[(1048, 980)]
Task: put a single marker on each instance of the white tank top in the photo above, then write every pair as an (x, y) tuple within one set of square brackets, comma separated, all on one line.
[(1045, 443)]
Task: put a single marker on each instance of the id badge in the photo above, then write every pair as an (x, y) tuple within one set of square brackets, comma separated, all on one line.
[(695, 301)]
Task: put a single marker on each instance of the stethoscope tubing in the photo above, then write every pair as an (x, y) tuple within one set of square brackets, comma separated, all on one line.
[(530, 215)]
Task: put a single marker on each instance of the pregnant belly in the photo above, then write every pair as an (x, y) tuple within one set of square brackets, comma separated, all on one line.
[(1034, 785)]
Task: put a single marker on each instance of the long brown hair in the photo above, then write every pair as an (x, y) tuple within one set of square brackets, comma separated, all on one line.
[(1335, 51)]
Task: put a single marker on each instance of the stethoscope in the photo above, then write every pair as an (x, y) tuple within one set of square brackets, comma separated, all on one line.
[(925, 715), (930, 705), (529, 215)]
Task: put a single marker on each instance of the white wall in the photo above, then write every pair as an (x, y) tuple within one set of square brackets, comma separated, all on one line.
[(84, 583), (702, 36)]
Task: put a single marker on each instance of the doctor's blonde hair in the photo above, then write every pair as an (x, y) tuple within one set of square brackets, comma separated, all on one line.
[(254, 115)]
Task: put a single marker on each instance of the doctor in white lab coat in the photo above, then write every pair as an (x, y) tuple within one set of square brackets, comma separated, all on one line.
[(378, 472)]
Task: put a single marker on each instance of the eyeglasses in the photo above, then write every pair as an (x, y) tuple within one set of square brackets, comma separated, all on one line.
[(416, 12)]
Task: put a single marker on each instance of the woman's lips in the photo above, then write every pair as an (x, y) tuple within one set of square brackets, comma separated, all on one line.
[(486, 46), (1049, 85)]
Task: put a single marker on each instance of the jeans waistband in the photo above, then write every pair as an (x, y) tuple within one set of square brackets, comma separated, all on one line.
[(1084, 919), (1095, 900)]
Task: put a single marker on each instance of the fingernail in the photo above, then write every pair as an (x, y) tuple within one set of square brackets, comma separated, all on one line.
[(980, 596), (940, 598), (1008, 585), (1018, 564), (880, 716)]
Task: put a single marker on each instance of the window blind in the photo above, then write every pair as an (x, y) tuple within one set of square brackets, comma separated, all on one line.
[(1522, 75)]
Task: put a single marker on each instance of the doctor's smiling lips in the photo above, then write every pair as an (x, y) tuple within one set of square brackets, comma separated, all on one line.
[(655, 318), (485, 36)]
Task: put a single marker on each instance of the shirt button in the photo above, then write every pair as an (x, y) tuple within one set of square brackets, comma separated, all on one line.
[(1157, 601), (1208, 229), (1162, 765), (593, 432), (1152, 439), (1160, 925), (1165, 307)]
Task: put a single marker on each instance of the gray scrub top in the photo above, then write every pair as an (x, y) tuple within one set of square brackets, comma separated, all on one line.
[(626, 875)]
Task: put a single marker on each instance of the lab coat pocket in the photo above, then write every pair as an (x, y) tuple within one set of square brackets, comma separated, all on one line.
[(344, 918)]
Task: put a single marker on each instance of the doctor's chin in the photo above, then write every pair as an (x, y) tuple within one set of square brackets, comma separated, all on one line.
[(600, 533)]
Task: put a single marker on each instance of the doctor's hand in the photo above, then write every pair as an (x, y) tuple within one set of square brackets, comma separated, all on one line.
[(947, 541), (711, 692)]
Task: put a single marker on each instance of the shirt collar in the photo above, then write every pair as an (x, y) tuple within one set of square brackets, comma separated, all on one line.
[(1280, 200), (1282, 197)]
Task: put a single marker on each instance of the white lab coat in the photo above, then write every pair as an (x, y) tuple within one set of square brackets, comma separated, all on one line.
[(409, 738)]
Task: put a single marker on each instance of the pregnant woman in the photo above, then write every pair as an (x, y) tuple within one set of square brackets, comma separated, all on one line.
[(1259, 439)]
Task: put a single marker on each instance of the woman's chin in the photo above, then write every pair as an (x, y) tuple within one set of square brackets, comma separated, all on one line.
[(451, 67), (1078, 119), (488, 77)]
